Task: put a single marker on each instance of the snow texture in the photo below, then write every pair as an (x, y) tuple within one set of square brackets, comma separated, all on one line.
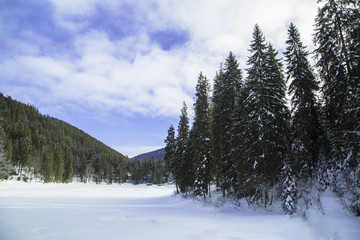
[(88, 211)]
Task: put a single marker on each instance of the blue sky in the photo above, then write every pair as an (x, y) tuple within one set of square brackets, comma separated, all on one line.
[(120, 70)]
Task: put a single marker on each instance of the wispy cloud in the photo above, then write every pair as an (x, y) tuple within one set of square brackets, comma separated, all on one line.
[(131, 56)]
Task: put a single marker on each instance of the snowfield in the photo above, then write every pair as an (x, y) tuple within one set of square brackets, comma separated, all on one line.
[(30, 211)]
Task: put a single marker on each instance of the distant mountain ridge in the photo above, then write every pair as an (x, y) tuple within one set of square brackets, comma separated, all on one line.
[(157, 154)]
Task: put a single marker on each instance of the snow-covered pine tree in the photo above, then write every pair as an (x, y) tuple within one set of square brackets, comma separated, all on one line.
[(170, 153), (252, 139), (337, 33), (329, 37), (267, 129), (236, 166), (289, 194), (226, 87), (201, 133), (184, 165), (217, 106), (305, 124), (232, 89)]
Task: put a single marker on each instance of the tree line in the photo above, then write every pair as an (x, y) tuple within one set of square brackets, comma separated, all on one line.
[(246, 139), (34, 146)]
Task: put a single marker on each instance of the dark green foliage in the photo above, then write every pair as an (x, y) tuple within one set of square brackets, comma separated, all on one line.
[(148, 171), (58, 165), (331, 61), (4, 160), (267, 126), (337, 39), (170, 153), (217, 126), (184, 174), (227, 88), (200, 136), (38, 144), (306, 130), (47, 164)]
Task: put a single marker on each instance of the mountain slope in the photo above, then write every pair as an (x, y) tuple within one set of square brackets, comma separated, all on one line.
[(157, 154), (39, 146)]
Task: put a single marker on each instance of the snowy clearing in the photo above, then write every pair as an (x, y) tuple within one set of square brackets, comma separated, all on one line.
[(88, 211)]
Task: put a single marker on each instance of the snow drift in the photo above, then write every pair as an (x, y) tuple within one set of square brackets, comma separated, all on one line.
[(88, 211)]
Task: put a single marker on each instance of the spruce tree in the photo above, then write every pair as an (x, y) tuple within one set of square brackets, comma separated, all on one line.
[(332, 63), (217, 131), (337, 34), (183, 165), (267, 128), (305, 124), (226, 91), (170, 153), (201, 132)]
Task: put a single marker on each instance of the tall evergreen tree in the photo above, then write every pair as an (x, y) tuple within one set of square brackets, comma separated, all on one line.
[(337, 33), (201, 137), (305, 125), (332, 58), (170, 152), (252, 104), (226, 91), (184, 166), (217, 131), (267, 130)]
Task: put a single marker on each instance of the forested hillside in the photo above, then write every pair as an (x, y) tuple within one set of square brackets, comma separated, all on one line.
[(36, 146), (246, 139)]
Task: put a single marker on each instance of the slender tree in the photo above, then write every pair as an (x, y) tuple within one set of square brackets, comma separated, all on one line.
[(201, 134), (226, 91), (184, 164), (170, 153), (305, 124), (217, 126)]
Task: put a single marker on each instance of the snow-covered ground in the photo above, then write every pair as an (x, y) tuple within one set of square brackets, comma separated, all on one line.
[(79, 211)]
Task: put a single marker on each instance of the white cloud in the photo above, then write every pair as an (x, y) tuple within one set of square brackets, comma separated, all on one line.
[(131, 74), (78, 7)]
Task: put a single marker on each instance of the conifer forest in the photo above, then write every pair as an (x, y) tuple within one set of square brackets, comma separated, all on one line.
[(252, 142)]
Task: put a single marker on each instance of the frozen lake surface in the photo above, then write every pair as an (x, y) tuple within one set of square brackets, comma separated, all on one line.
[(30, 211)]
